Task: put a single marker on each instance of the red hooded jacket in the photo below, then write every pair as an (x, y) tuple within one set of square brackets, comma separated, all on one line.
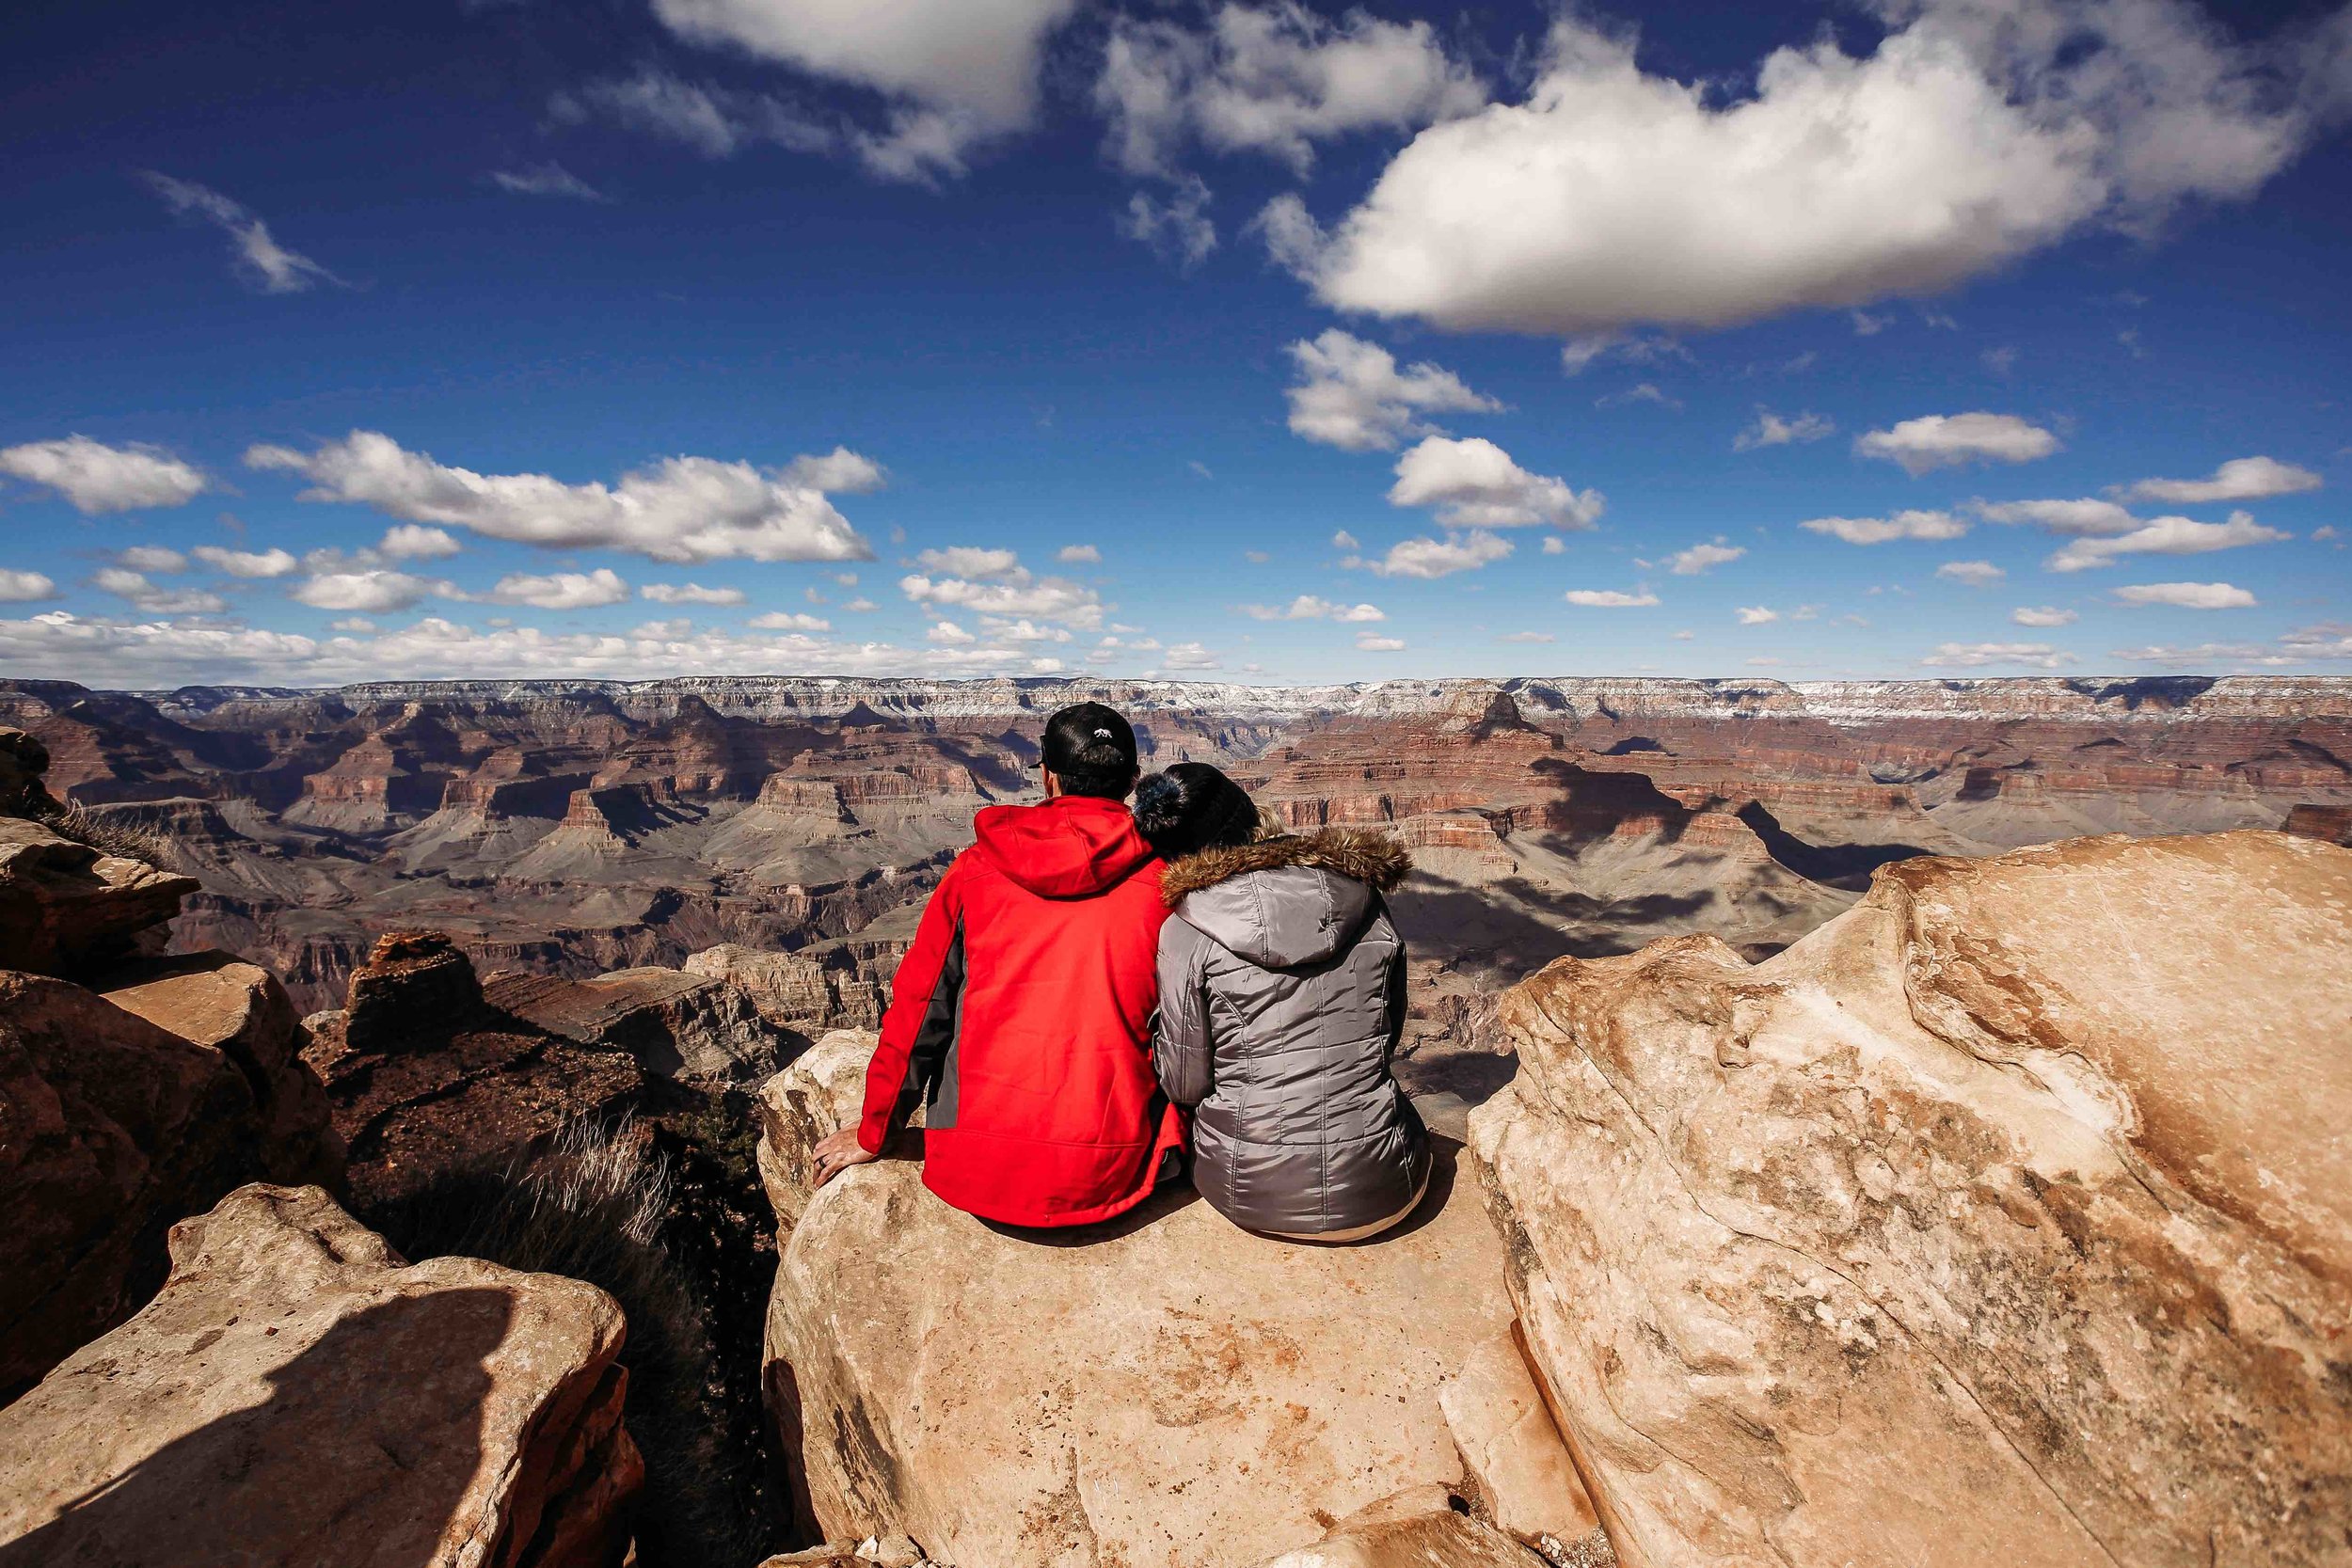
[(1022, 1016)]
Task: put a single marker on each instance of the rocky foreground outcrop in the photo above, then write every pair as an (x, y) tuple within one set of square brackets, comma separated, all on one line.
[(680, 1026), (297, 1395), (1164, 1390), (127, 1102), (2006, 1219)]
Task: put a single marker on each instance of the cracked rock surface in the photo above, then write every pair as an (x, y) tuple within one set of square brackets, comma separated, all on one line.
[(2006, 1219)]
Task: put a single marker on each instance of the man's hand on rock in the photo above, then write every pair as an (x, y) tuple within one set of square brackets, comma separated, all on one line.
[(838, 1154)]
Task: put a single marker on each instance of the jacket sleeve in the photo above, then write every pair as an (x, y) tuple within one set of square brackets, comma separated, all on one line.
[(924, 989), (1180, 1042)]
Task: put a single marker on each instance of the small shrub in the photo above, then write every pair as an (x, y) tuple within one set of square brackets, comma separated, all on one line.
[(601, 1204), (108, 838)]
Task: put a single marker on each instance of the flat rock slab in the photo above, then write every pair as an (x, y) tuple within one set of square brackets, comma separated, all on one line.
[(2001, 1220), (679, 1025), (1163, 1390), (297, 1398)]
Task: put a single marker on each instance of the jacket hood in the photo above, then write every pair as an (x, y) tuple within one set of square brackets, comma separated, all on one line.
[(1067, 848), (1290, 900)]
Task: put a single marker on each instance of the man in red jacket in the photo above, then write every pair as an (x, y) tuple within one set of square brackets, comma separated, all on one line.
[(1020, 1017)]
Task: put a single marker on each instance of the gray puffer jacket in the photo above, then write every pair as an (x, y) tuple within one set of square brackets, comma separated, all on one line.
[(1281, 999)]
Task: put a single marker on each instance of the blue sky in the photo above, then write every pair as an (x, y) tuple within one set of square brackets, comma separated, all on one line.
[(1256, 341)]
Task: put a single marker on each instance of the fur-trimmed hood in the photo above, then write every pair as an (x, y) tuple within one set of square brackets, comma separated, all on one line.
[(1291, 899), (1363, 855)]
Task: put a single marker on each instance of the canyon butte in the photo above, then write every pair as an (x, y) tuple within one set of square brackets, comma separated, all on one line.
[(1879, 1123)]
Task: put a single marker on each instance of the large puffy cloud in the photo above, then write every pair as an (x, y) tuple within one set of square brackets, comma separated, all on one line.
[(681, 509), (271, 266), (1273, 79), (1880, 530), (1474, 483), (2163, 536), (1352, 395), (1976, 132), (954, 73), (2241, 479), (1950, 441), (2187, 595), (94, 477), (1973, 656), (1430, 559)]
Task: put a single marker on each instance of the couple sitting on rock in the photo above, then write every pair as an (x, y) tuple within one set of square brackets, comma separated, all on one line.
[(1057, 1024)]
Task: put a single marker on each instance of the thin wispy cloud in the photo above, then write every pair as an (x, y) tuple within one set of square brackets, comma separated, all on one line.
[(270, 267)]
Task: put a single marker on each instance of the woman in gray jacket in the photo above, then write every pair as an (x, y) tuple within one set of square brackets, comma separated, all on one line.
[(1282, 999)]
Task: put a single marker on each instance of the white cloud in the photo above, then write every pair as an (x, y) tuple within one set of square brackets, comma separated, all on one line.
[(970, 561), (1346, 539), (1975, 574), (561, 590), (838, 472), (1609, 598), (1700, 557), (156, 558), (1437, 558), (1580, 353), (1770, 430), (690, 593), (790, 620), (1554, 545), (1879, 531), (954, 73), (861, 606), (373, 591), (1527, 636), (1646, 392), (2241, 479), (1307, 607), (2000, 361), (246, 563), (2045, 615), (1950, 440), (1757, 615), (95, 478), (715, 122), (22, 587), (1351, 395), (1974, 133), (1017, 594), (2305, 644), (548, 179), (2187, 595), (680, 509), (947, 631), (2060, 516), (2163, 536), (415, 542), (1021, 630), (155, 600), (1474, 483), (1272, 79), (354, 624), (1189, 655), (270, 265), (1179, 227), (1078, 555), (1971, 655), (1373, 643)]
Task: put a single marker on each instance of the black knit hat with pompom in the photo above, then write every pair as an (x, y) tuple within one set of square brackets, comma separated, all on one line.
[(1192, 806)]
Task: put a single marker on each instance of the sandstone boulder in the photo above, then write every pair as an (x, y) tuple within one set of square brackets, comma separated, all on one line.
[(680, 1026), (296, 1396), (66, 909), (122, 1115), (425, 1079), (2005, 1219), (1164, 1390), (1515, 1467), (1417, 1528)]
